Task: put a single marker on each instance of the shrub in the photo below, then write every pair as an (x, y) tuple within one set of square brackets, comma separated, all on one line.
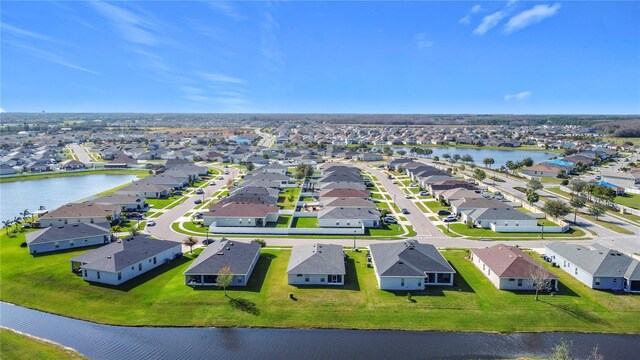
[(261, 242), (409, 297)]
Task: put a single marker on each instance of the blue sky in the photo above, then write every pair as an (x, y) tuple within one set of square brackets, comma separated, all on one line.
[(350, 57)]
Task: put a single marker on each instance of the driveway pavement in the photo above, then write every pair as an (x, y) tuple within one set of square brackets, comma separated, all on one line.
[(81, 153)]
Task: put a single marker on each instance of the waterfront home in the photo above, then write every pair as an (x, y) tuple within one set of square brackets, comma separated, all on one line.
[(72, 165), (145, 189), (86, 212), (370, 156), (7, 170), (546, 169), (171, 181), (596, 266), (123, 260), (70, 236), (502, 219), (126, 202), (316, 264), (239, 257), (120, 161), (509, 268), (349, 217), (241, 214), (409, 265)]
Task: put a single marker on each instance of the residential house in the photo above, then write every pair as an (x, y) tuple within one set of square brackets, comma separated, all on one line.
[(409, 265), (70, 236), (316, 264), (509, 268), (239, 257), (501, 219), (125, 201), (146, 190), (242, 214), (75, 213), (349, 217), (123, 260)]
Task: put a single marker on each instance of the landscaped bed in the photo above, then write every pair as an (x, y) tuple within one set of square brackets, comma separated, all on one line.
[(160, 298)]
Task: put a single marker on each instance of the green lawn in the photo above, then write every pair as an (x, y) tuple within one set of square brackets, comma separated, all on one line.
[(195, 227), (160, 298), (608, 225), (395, 207), (447, 232), (630, 200), (283, 221), (421, 206), (301, 222), (164, 203), (557, 191), (283, 198), (435, 206), (462, 229), (307, 199), (388, 230), (383, 206), (15, 346), (376, 196)]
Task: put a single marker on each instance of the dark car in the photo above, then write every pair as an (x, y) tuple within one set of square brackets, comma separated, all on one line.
[(198, 201), (177, 192), (444, 212), (208, 241), (405, 211), (135, 215)]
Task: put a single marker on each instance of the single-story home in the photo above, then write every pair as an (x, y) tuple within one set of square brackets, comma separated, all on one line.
[(70, 236), (349, 217), (316, 264), (147, 190), (126, 202), (409, 265), (500, 219), (509, 268), (239, 257), (86, 212), (596, 266), (125, 259), (242, 214)]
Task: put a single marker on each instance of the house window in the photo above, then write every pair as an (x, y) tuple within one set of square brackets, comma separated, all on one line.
[(306, 278), (512, 279), (519, 282), (444, 278), (85, 273), (322, 279), (615, 280), (149, 260), (119, 276), (92, 220), (401, 282), (154, 260), (98, 274), (348, 223), (70, 242), (597, 281), (337, 222), (299, 275), (140, 267), (57, 244), (576, 271)]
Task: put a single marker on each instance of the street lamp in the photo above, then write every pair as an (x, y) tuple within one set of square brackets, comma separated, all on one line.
[(542, 224), (354, 240)]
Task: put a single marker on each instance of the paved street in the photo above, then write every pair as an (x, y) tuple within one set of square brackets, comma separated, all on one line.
[(81, 153)]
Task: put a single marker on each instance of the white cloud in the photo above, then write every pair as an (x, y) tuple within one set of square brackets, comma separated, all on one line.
[(531, 16), (519, 96), (51, 57), (132, 27), (476, 8), (221, 78), (269, 40), (225, 8), (465, 20), (422, 41), (2, 110), (489, 21)]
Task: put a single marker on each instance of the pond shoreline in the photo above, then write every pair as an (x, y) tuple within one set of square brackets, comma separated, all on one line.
[(59, 174)]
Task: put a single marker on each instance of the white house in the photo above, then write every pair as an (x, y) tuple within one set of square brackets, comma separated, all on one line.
[(241, 214), (409, 265), (71, 236), (316, 264), (120, 261)]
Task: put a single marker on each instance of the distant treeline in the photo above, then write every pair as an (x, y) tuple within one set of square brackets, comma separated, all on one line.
[(623, 129), (85, 121)]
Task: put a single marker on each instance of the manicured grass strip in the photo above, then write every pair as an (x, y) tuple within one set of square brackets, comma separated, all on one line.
[(160, 298), (283, 221), (300, 222), (435, 206), (140, 173), (383, 206), (462, 229), (164, 203), (395, 207), (421, 206), (629, 200), (607, 225), (557, 191), (447, 232), (18, 346)]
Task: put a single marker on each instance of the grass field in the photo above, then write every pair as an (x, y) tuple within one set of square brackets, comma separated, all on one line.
[(630, 200), (164, 203), (284, 198), (462, 229), (435, 206), (607, 225), (301, 222), (160, 298), (283, 221), (140, 173), (15, 346)]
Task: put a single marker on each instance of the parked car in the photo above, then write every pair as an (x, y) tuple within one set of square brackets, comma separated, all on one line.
[(380, 166), (407, 196), (226, 172), (450, 218), (390, 220), (395, 181), (389, 176), (405, 211), (444, 212), (151, 223), (199, 191), (598, 177), (208, 241), (220, 177), (213, 183), (424, 193), (135, 215), (413, 185), (198, 201)]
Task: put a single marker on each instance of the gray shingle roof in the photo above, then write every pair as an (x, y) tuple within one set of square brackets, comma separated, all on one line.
[(238, 256), (508, 213), (123, 253), (316, 259), (349, 213), (597, 259), (66, 232), (408, 258)]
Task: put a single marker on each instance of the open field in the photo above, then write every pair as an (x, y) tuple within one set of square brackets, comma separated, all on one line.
[(161, 298), (140, 173), (16, 346)]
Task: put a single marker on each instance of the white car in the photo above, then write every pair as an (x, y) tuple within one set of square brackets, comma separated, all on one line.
[(151, 223), (407, 196)]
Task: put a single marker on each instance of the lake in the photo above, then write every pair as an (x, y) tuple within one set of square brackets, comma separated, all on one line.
[(499, 156), (53, 192), (113, 342)]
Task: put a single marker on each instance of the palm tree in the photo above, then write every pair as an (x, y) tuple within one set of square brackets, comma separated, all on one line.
[(7, 224), (25, 213), (428, 152), (190, 242), (488, 162), (133, 231), (16, 222)]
